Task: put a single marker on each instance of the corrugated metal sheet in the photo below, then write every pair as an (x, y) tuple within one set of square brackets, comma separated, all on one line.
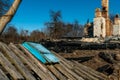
[(34, 52), (44, 53)]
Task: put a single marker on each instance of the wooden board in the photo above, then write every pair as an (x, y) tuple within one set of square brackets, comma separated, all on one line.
[(9, 67), (17, 62), (29, 62), (56, 72), (63, 71), (38, 63), (81, 70), (3, 76)]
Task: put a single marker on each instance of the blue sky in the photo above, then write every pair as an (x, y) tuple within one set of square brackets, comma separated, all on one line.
[(32, 14)]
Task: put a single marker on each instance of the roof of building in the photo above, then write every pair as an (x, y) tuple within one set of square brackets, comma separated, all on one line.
[(18, 63)]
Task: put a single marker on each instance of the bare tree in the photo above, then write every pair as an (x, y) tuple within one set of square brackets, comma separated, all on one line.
[(55, 26), (55, 16), (24, 35), (76, 30), (11, 34), (37, 35), (58, 29)]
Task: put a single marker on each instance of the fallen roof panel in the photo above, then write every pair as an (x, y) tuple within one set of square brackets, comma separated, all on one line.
[(34, 52), (49, 56)]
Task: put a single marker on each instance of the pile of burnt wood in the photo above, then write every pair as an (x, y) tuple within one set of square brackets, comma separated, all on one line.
[(113, 66), (70, 46)]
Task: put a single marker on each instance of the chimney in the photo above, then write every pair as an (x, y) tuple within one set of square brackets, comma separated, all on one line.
[(105, 14)]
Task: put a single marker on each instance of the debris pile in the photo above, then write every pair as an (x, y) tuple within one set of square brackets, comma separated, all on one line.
[(17, 63), (104, 61), (70, 46)]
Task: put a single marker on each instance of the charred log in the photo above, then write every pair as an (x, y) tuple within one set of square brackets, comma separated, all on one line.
[(107, 69), (108, 57), (81, 59), (70, 46)]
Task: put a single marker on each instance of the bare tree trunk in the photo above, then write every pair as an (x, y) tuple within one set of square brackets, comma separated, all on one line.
[(9, 15)]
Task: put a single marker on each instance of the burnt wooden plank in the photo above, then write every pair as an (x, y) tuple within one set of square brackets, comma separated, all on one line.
[(9, 67), (63, 71), (87, 75), (29, 62), (108, 57), (3, 76), (71, 66), (79, 72), (38, 63), (27, 53), (91, 71), (16, 61), (56, 72), (81, 67), (71, 71), (52, 76), (64, 61)]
